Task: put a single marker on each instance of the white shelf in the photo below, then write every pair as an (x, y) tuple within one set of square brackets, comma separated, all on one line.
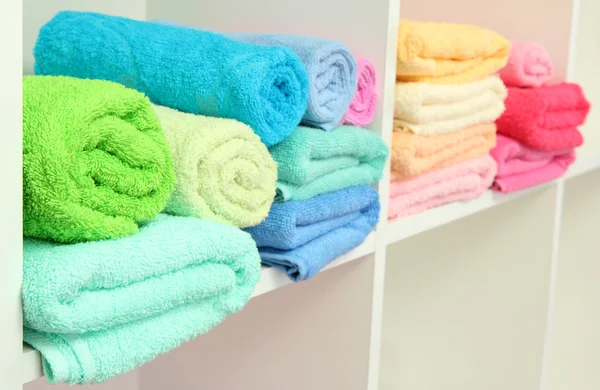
[(400, 229), (272, 278), (583, 165), (32, 364)]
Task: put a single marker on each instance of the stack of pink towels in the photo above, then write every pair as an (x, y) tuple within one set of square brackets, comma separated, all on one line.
[(537, 133)]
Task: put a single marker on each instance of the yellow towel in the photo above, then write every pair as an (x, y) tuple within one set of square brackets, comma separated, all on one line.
[(414, 154), (448, 53)]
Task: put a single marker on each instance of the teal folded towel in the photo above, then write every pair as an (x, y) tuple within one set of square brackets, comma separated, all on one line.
[(313, 162), (192, 71), (98, 309)]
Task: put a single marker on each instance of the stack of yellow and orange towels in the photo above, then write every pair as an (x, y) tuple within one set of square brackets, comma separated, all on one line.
[(447, 99)]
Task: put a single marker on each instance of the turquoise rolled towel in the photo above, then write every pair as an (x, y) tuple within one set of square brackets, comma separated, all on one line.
[(99, 309), (192, 71)]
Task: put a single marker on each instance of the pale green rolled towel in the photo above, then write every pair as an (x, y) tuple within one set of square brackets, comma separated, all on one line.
[(224, 172), (313, 162)]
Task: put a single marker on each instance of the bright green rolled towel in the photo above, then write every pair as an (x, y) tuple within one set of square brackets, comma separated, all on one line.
[(312, 162), (95, 161), (224, 172), (99, 309)]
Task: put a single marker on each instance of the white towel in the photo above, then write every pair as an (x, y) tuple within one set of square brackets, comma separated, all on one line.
[(431, 109)]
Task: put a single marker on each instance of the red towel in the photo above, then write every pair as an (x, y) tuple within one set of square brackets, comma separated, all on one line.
[(545, 118), (521, 167)]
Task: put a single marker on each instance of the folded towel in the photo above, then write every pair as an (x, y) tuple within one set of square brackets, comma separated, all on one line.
[(362, 108), (462, 181), (414, 154), (545, 118), (431, 109), (192, 71), (98, 309), (302, 237), (520, 167), (312, 162), (331, 69), (448, 53), (529, 65), (223, 170), (95, 160)]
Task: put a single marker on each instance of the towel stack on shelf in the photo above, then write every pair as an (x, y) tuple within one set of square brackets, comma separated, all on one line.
[(324, 206), (306, 229), (447, 99), (128, 119), (538, 131)]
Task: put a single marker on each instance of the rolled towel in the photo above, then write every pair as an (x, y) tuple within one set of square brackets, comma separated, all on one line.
[(362, 108), (545, 118), (192, 71), (312, 162), (414, 154), (331, 69), (99, 309), (529, 65), (521, 167), (302, 237), (431, 109), (95, 160), (223, 170), (462, 181), (448, 53)]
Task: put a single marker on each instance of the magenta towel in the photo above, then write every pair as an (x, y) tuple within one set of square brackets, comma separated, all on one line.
[(529, 65), (362, 108), (521, 167), (545, 118), (462, 181)]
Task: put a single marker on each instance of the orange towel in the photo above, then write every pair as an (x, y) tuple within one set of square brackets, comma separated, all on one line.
[(414, 154), (448, 53)]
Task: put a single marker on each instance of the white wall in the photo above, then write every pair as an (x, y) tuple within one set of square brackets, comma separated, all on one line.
[(575, 344), (465, 304), (585, 70)]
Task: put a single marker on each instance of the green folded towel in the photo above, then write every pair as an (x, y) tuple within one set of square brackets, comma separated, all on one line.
[(224, 172), (95, 160), (98, 309), (312, 162)]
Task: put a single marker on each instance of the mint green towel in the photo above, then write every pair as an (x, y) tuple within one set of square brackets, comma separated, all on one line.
[(224, 172), (312, 162), (95, 161), (98, 309)]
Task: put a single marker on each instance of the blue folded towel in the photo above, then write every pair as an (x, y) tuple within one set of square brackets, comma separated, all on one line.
[(331, 71), (301, 237), (99, 309), (189, 70)]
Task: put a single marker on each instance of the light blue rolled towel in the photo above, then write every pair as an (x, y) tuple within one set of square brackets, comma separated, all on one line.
[(192, 71), (331, 71), (301, 237), (99, 309)]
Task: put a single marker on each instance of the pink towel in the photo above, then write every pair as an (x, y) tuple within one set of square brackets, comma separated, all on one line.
[(529, 65), (545, 118), (520, 167), (362, 108), (462, 181)]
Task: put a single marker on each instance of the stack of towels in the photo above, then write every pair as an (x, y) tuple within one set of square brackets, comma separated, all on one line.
[(538, 131), (447, 99), (324, 206), (147, 147)]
